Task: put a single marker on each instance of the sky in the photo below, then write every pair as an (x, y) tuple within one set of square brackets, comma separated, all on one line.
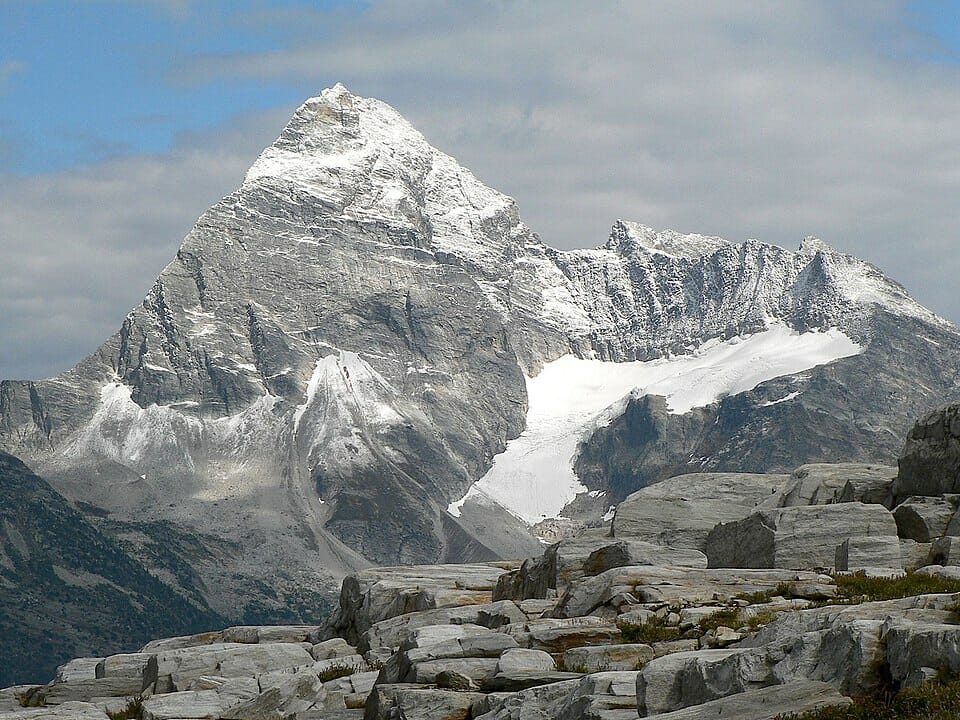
[(121, 121)]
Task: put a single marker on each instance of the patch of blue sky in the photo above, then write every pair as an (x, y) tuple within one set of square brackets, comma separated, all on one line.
[(83, 81), (939, 22)]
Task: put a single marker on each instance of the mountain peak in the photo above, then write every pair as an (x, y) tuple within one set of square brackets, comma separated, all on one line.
[(630, 237), (812, 244)]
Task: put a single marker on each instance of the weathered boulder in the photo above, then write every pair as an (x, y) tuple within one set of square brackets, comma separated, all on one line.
[(273, 634), (693, 586), (176, 669), (517, 680), (557, 636), (332, 648), (828, 483), (66, 711), (391, 632), (924, 519), (914, 554), (588, 554), (376, 594), (542, 702), (185, 705), (803, 537), (861, 552), (183, 641), (522, 659), (602, 696), (288, 695), (57, 693), (681, 512), (638, 552), (415, 702), (78, 669), (602, 658), (930, 461), (767, 703)]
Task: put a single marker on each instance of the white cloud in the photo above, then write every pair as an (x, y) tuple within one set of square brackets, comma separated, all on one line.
[(80, 248), (737, 118)]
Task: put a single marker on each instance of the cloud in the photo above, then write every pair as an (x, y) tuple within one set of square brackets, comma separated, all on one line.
[(738, 118), (80, 248), (8, 69)]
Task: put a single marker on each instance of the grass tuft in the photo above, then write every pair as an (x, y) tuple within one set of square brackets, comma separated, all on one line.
[(656, 630), (338, 670), (932, 701)]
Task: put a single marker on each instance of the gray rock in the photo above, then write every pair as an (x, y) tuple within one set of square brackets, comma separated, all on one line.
[(803, 537), (57, 693), (767, 703), (293, 695), (520, 659), (945, 551), (681, 512), (924, 519), (865, 551), (543, 702), (518, 680), (377, 594), (392, 632), (185, 705), (272, 633), (414, 702), (66, 711), (335, 647), (602, 696), (560, 639), (825, 484), (930, 461), (603, 658), (914, 554), (78, 669), (694, 586)]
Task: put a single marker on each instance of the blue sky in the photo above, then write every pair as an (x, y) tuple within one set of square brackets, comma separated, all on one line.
[(86, 80), (121, 121)]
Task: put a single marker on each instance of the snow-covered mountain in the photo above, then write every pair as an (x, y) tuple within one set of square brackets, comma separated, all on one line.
[(344, 348)]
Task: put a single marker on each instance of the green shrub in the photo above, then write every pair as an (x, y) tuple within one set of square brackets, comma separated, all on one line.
[(338, 670), (656, 630), (932, 701), (726, 617), (132, 711), (857, 587)]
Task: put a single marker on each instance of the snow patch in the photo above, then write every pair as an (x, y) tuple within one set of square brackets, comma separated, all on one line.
[(571, 397), (784, 399)]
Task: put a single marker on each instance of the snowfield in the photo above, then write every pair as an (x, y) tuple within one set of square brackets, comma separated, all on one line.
[(571, 397)]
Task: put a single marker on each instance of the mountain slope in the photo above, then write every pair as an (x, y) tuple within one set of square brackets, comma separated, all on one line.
[(342, 347), (71, 590)]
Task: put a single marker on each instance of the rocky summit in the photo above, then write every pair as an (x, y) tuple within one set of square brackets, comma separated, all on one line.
[(363, 357)]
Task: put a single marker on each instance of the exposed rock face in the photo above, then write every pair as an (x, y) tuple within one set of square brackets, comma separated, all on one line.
[(930, 461), (70, 589), (681, 511), (803, 537), (339, 350)]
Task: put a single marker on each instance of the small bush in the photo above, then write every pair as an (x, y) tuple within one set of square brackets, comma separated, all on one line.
[(932, 701), (857, 587), (759, 597), (656, 630), (132, 711), (727, 617), (338, 670), (759, 619)]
